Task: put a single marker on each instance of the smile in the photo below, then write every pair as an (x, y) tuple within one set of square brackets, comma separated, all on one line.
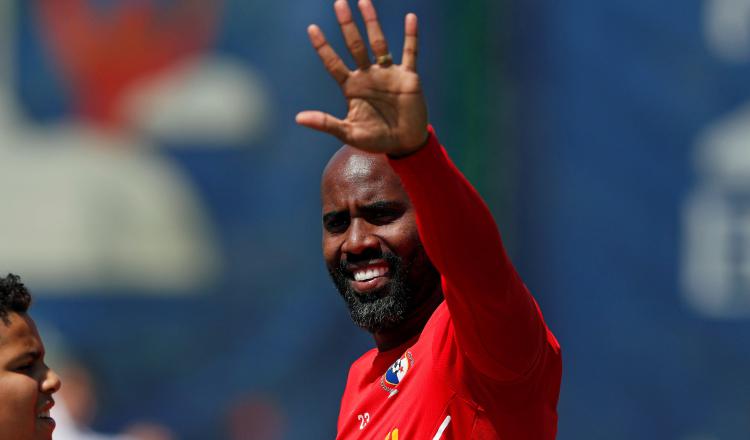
[(368, 273), (369, 277)]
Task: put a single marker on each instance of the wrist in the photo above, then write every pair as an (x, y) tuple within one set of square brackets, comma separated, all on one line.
[(412, 150)]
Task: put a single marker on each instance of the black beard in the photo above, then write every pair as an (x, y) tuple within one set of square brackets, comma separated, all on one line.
[(384, 308)]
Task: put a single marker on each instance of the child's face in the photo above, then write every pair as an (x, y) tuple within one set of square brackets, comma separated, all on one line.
[(26, 383)]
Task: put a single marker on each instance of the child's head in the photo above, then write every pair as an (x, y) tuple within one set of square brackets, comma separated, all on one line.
[(26, 383)]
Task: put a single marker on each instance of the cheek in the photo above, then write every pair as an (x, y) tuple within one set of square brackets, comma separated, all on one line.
[(404, 237), (330, 251), (17, 405)]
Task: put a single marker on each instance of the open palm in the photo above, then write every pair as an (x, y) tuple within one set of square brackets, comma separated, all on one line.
[(387, 110)]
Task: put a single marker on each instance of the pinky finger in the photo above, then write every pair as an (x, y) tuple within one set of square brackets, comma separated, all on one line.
[(409, 57), (323, 122)]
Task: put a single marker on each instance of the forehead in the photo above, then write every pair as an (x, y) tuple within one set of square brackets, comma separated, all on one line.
[(353, 177), (19, 336)]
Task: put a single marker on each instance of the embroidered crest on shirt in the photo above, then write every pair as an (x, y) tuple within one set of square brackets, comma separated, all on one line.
[(396, 373)]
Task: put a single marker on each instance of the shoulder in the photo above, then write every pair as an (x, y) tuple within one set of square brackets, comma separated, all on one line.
[(361, 364), (439, 327)]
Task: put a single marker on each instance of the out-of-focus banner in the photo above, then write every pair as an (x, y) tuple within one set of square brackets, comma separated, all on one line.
[(163, 207), (635, 210)]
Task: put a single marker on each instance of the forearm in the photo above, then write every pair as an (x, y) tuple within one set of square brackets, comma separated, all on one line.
[(497, 321)]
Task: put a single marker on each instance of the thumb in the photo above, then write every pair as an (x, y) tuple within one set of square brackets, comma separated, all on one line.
[(324, 122)]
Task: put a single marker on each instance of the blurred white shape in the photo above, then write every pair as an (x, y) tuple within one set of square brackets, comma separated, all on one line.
[(206, 100), (727, 28), (716, 251), (723, 153), (89, 212), (66, 429)]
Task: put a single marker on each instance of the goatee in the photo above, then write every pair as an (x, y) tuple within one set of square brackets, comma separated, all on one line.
[(381, 309)]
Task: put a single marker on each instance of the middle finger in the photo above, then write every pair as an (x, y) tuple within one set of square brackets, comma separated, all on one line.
[(351, 34), (374, 33)]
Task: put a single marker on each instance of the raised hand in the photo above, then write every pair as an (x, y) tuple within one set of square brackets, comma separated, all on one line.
[(387, 110)]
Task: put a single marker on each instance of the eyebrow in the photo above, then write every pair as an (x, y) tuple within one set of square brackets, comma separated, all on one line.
[(33, 354), (330, 215), (381, 205)]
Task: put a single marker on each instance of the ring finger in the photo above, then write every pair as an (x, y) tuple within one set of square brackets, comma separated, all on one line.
[(374, 33)]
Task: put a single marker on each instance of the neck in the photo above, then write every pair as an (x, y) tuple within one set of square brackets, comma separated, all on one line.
[(412, 325)]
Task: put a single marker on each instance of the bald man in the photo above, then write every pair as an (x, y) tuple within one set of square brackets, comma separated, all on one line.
[(462, 350)]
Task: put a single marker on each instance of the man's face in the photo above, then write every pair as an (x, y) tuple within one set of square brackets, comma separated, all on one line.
[(370, 241), (26, 383)]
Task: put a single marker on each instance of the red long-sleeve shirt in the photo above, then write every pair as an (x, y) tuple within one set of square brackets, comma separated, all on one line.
[(485, 366)]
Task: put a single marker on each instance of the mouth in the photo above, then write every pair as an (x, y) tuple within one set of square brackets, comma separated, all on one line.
[(368, 277), (43, 416)]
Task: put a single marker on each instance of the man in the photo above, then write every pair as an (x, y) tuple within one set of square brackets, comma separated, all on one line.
[(26, 383), (462, 349)]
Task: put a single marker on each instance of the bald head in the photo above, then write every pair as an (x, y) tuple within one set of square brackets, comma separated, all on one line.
[(351, 165)]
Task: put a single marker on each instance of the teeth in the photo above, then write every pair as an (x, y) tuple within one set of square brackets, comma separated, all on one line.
[(368, 274)]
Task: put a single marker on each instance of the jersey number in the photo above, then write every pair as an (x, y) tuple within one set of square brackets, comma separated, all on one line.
[(364, 419)]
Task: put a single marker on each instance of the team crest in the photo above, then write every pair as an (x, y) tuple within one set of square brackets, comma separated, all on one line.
[(396, 373)]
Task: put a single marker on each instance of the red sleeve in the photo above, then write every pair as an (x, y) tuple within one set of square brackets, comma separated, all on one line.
[(498, 324)]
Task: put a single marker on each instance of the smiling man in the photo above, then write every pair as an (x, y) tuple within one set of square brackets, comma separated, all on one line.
[(372, 248), (26, 383), (462, 350)]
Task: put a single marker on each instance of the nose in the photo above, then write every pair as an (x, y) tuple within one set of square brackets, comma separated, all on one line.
[(51, 382), (360, 237)]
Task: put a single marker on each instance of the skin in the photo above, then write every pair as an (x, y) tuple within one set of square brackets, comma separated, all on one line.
[(366, 214), (26, 382)]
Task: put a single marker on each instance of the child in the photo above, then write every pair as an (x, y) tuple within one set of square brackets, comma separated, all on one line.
[(26, 382)]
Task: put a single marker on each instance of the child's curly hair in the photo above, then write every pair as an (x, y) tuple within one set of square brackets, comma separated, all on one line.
[(14, 297)]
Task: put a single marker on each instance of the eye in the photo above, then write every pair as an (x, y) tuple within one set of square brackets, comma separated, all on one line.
[(336, 223), (25, 367)]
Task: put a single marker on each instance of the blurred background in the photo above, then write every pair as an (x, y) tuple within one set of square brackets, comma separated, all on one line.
[(163, 207)]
